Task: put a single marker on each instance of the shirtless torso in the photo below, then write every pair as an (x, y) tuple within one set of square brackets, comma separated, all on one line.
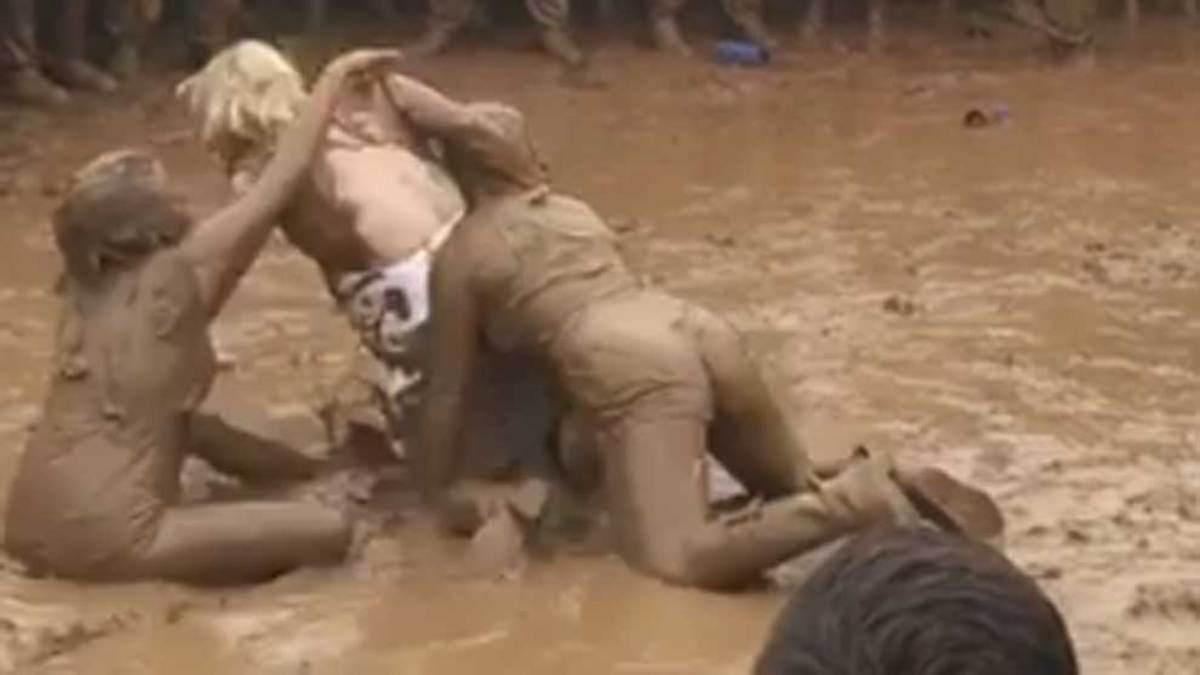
[(373, 207), (372, 197)]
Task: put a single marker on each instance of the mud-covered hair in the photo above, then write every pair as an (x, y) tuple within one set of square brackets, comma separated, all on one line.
[(116, 213), (918, 602), (246, 95)]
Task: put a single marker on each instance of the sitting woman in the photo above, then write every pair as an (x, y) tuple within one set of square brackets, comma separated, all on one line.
[(659, 381), (96, 492)]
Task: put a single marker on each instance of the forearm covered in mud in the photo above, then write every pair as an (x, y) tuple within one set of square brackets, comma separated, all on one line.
[(428, 109), (249, 456), (454, 332)]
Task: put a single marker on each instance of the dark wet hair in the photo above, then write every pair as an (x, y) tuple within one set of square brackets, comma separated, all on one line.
[(116, 213), (918, 602)]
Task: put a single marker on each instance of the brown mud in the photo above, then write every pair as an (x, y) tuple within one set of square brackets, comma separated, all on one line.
[(1019, 302)]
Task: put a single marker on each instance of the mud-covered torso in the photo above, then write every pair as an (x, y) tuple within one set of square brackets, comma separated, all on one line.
[(540, 258), (105, 457)]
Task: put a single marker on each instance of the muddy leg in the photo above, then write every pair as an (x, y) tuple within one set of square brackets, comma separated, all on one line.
[(68, 24), (748, 16), (814, 22), (125, 25), (240, 542), (877, 25), (750, 434), (554, 19), (20, 80), (657, 498), (446, 18), (1073, 23), (664, 25)]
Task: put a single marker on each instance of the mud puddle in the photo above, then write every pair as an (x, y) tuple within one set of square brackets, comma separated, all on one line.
[(1020, 303)]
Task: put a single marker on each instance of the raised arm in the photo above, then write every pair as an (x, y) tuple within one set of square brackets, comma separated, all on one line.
[(472, 131), (224, 245)]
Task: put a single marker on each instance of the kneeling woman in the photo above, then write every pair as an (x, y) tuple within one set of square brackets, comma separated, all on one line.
[(96, 491), (660, 381)]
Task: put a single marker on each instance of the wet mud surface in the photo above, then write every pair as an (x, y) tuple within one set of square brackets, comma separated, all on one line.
[(1019, 302)]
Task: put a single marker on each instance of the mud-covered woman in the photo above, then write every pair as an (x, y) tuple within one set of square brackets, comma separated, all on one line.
[(96, 491), (661, 383)]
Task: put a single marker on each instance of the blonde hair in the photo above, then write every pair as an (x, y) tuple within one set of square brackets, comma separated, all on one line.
[(247, 93)]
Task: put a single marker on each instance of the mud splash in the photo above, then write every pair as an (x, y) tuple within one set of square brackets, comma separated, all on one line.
[(1019, 302)]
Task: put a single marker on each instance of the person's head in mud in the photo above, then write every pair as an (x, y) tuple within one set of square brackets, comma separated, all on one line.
[(918, 602), (490, 165), (116, 214), (247, 94)]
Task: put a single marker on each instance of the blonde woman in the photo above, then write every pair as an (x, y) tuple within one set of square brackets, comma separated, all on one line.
[(372, 210), (96, 494)]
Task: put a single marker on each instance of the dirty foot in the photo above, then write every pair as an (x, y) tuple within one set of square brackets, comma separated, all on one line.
[(76, 74), (560, 45), (952, 504), (28, 87), (756, 31), (668, 38)]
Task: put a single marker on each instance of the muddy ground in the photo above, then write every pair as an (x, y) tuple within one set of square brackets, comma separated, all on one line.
[(1019, 302)]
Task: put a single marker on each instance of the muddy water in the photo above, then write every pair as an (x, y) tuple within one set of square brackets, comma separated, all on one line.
[(1020, 303)]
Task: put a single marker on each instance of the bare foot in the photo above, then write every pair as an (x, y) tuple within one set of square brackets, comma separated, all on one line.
[(75, 74), (952, 504), (28, 87)]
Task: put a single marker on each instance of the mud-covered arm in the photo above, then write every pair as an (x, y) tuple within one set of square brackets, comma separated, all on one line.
[(455, 338), (434, 114), (222, 247), (428, 109), (236, 451)]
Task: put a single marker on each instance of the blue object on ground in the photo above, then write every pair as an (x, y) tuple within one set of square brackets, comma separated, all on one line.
[(741, 53)]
